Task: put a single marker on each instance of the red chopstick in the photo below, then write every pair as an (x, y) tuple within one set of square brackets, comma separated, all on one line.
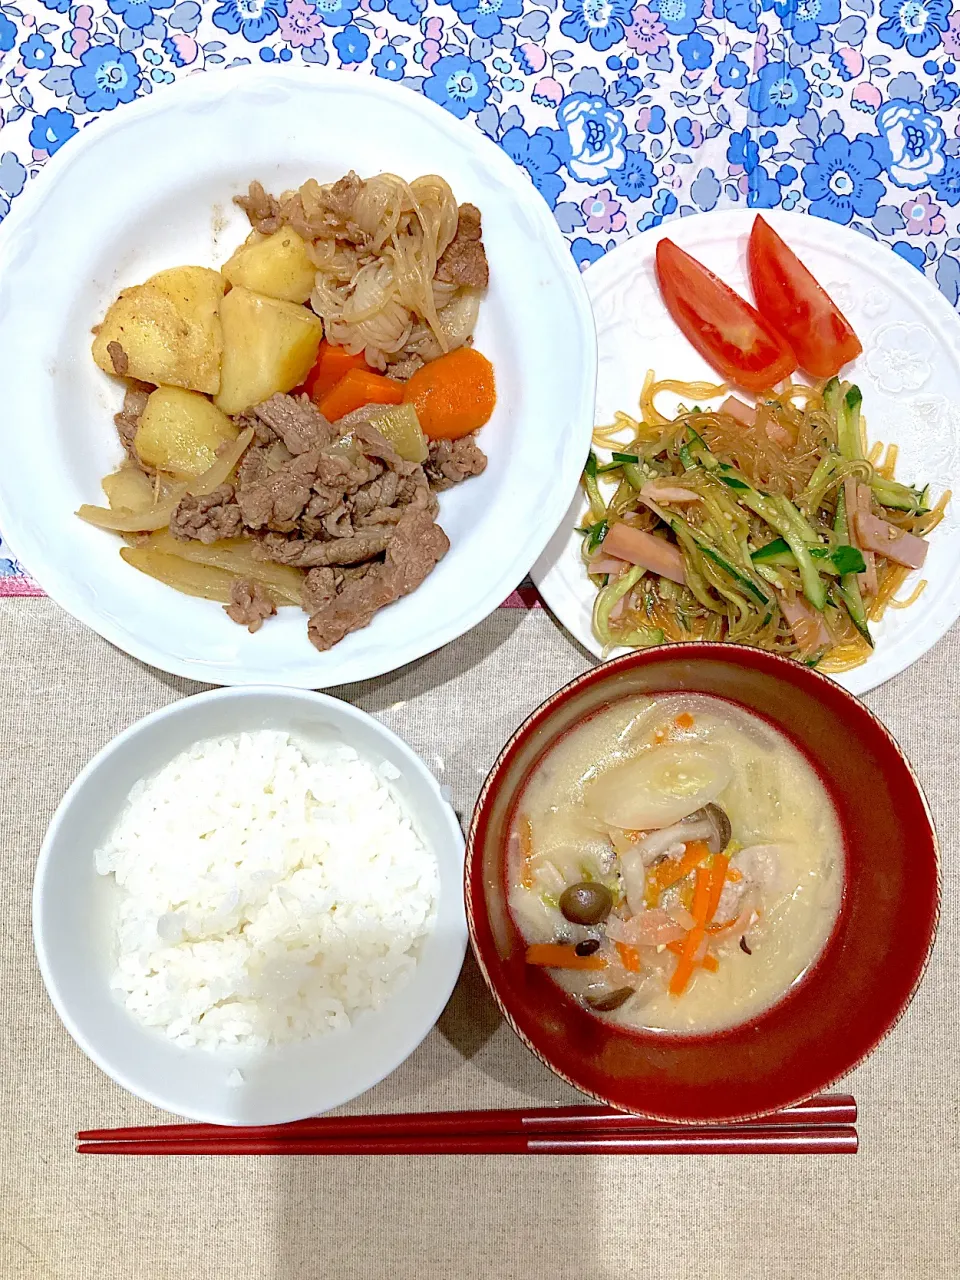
[(776, 1140), (828, 1109), (822, 1124)]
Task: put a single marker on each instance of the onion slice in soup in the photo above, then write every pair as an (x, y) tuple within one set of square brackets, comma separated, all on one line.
[(660, 786)]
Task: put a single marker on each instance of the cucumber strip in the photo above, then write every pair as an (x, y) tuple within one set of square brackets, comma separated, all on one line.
[(841, 560), (775, 552), (832, 395), (848, 426), (598, 507), (849, 588), (901, 497), (681, 526), (781, 515), (634, 475)]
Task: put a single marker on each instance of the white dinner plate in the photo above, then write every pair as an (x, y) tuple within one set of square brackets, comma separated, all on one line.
[(909, 373), (151, 187)]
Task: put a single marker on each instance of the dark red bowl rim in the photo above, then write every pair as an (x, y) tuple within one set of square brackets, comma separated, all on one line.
[(694, 651)]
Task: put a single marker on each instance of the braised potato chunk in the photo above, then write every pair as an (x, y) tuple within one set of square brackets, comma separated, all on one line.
[(278, 266), (268, 346), (166, 331), (181, 431)]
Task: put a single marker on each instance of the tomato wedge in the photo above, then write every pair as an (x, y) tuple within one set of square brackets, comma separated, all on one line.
[(740, 344), (790, 298)]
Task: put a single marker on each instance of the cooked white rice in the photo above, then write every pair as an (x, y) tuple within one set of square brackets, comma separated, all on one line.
[(264, 896)]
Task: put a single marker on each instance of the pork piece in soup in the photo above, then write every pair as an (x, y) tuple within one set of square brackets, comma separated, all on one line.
[(676, 864)]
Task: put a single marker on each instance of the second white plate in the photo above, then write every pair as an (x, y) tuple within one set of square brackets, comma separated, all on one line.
[(909, 373)]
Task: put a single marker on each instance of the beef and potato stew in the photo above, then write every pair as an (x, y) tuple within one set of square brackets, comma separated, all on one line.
[(289, 420)]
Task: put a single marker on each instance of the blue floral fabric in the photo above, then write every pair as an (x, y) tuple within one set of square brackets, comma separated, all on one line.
[(623, 115)]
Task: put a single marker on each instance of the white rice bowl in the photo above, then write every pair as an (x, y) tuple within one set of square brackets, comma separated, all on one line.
[(303, 1034), (266, 896)]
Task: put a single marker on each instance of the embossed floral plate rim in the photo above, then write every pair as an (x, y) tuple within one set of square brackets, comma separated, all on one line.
[(151, 187), (909, 373)]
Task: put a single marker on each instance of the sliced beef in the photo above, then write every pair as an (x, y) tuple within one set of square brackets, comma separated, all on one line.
[(453, 461), (412, 553), (296, 421), (128, 419), (261, 208), (262, 434), (319, 588), (118, 358), (207, 519), (308, 554), (464, 261), (317, 509), (360, 424), (337, 523), (254, 468), (375, 445), (379, 517), (404, 369), (276, 501), (314, 212), (332, 209), (344, 473), (414, 491), (381, 492), (249, 605)]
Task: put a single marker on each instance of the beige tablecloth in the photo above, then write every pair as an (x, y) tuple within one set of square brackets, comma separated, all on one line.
[(890, 1213)]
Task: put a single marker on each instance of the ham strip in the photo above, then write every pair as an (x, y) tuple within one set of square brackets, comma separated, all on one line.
[(601, 563), (887, 540), (737, 409), (646, 549), (747, 416), (854, 499), (809, 628)]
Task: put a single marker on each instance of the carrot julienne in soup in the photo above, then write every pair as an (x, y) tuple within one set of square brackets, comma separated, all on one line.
[(676, 864)]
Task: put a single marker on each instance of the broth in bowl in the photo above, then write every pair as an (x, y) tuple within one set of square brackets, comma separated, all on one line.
[(676, 863)]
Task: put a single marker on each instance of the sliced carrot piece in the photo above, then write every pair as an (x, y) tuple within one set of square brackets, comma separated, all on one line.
[(709, 962), (629, 957), (684, 720), (331, 365), (671, 872), (453, 395), (562, 955), (699, 908), (357, 388)]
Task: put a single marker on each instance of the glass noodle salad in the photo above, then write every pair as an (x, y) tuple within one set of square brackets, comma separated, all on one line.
[(771, 525)]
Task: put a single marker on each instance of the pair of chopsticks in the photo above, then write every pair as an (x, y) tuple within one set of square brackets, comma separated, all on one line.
[(821, 1126)]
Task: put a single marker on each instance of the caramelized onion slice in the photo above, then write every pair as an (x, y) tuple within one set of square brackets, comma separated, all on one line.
[(217, 474), (281, 582), (205, 581), (157, 517)]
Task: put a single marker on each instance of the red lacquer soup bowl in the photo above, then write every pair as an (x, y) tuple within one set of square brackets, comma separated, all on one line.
[(851, 997)]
